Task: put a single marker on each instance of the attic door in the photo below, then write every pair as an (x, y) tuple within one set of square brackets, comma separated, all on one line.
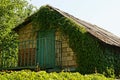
[(46, 49)]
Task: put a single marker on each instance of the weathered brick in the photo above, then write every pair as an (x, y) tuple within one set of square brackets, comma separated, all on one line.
[(69, 49), (64, 54), (65, 63), (64, 45), (64, 49), (64, 59), (69, 58), (72, 63)]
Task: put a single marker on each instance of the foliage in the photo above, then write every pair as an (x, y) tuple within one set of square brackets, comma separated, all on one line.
[(9, 51), (92, 56), (42, 75), (117, 64), (12, 12)]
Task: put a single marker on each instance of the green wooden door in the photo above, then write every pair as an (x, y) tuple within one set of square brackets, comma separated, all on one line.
[(46, 49)]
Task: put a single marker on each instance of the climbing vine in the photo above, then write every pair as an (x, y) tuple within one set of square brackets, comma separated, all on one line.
[(90, 54)]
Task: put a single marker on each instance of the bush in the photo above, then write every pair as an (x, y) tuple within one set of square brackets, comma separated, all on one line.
[(42, 75)]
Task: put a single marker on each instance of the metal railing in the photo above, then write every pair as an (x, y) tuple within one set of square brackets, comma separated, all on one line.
[(27, 53)]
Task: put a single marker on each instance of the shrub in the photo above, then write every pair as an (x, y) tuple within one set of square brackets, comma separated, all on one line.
[(42, 75)]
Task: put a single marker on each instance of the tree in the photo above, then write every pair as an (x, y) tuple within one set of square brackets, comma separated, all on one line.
[(12, 12)]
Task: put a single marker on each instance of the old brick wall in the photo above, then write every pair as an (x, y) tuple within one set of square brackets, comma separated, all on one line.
[(68, 56), (27, 46), (26, 33)]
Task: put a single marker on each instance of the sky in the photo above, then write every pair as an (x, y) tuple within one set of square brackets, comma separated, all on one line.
[(103, 13)]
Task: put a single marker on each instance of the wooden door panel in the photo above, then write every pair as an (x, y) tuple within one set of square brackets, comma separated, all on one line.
[(46, 49)]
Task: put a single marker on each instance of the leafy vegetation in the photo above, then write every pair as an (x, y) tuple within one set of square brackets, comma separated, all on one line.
[(12, 12), (42, 75), (92, 56)]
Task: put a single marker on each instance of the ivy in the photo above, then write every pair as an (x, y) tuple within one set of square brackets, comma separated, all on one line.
[(89, 51)]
